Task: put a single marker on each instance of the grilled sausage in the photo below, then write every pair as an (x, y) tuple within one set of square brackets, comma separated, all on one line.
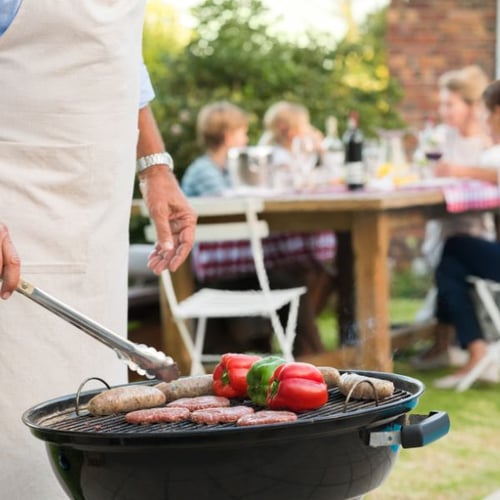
[(330, 374), (125, 399), (365, 387), (187, 387)]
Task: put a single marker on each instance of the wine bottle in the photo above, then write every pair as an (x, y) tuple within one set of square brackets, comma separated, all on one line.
[(353, 146), (333, 155)]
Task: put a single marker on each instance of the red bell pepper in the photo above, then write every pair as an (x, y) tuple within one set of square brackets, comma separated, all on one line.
[(297, 387), (230, 375)]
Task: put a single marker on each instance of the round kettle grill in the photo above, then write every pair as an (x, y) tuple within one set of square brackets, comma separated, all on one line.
[(340, 451)]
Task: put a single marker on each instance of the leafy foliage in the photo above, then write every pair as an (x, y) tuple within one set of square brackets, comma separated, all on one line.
[(234, 54)]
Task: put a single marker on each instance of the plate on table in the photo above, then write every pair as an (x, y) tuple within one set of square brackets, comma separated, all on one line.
[(250, 191), (434, 182)]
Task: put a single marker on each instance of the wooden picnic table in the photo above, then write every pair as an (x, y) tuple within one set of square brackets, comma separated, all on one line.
[(363, 222)]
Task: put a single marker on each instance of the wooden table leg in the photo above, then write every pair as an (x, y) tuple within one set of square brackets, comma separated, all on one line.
[(172, 344), (346, 301), (370, 239)]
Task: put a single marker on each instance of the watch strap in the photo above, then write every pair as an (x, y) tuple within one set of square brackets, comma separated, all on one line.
[(154, 159)]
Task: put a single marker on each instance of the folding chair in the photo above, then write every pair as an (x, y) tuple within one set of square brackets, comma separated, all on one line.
[(143, 287), (487, 295), (214, 303)]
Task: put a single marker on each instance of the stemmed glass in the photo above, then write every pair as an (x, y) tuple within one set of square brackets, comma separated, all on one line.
[(305, 156), (432, 145)]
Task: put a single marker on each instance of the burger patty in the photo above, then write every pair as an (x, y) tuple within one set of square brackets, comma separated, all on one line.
[(157, 415), (226, 414), (200, 402), (267, 417)]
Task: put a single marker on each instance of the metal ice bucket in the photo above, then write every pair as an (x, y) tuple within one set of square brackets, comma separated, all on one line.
[(250, 166)]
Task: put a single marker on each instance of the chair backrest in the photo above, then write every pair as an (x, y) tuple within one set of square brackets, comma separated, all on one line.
[(487, 298), (250, 228)]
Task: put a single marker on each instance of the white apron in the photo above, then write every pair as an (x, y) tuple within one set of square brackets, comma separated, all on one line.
[(69, 88)]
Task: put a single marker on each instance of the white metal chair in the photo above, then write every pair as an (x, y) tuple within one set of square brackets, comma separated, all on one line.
[(143, 288), (214, 303), (487, 295)]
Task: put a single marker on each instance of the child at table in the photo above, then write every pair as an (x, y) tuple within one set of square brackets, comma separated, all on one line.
[(460, 108), (283, 122), (221, 126)]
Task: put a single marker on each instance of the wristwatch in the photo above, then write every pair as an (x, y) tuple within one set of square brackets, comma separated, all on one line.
[(154, 159)]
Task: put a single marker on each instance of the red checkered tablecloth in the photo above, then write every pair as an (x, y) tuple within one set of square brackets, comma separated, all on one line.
[(225, 259), (471, 195)]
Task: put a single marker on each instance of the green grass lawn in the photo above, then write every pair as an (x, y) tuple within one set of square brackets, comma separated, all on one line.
[(465, 464), (401, 311)]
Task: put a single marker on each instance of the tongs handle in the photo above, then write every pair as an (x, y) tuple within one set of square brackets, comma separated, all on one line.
[(140, 358)]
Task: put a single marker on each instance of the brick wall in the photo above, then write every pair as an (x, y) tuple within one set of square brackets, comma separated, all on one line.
[(425, 38)]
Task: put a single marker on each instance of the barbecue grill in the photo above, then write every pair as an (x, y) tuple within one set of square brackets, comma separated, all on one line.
[(340, 451)]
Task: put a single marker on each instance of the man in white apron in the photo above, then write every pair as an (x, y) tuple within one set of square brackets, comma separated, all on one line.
[(68, 135)]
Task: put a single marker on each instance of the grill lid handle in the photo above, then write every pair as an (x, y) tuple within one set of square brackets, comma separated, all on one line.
[(420, 431), (141, 358)]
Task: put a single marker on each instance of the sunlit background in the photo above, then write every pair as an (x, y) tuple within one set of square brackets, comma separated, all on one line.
[(296, 16)]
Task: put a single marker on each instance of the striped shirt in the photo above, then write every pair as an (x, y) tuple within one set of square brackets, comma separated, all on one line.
[(204, 178)]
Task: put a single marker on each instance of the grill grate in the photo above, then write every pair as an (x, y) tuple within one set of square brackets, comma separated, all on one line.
[(66, 420)]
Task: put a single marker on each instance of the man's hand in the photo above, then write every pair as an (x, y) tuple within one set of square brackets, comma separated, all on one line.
[(173, 217), (10, 265)]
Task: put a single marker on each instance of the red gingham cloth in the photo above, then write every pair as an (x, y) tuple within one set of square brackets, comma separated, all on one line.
[(471, 195), (215, 260)]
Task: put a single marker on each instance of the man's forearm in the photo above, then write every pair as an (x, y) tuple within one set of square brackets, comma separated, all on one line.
[(150, 146), (150, 139)]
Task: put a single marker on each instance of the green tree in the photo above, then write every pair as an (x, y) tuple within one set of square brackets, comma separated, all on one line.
[(234, 54)]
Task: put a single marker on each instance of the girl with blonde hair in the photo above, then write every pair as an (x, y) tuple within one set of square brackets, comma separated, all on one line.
[(283, 122)]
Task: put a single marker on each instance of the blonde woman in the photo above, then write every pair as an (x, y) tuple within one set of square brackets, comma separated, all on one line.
[(465, 139)]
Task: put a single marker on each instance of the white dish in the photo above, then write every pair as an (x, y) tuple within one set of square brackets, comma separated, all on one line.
[(434, 182), (250, 191)]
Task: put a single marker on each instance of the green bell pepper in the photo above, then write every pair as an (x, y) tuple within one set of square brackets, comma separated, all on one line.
[(258, 378)]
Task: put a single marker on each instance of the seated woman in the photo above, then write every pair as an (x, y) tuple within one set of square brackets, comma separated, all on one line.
[(464, 256), (464, 155), (221, 126)]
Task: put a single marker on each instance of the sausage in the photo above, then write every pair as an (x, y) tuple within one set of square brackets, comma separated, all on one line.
[(365, 390), (125, 399), (331, 375), (187, 387)]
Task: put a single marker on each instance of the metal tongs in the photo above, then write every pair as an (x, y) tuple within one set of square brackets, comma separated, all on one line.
[(143, 359)]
